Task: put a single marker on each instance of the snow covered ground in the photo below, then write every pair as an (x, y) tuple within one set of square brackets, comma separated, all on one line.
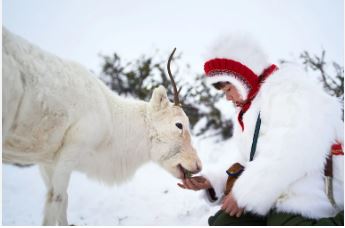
[(151, 197)]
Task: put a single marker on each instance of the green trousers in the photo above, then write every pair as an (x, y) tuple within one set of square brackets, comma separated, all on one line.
[(222, 218)]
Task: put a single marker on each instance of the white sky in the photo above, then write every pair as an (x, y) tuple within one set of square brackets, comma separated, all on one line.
[(81, 29)]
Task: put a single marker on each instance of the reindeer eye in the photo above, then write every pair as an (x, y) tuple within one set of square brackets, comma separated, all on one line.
[(179, 125)]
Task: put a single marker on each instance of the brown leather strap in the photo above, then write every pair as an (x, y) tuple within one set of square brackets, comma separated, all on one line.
[(233, 173)]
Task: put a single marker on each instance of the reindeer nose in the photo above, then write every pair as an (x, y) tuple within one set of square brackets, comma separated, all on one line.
[(198, 167)]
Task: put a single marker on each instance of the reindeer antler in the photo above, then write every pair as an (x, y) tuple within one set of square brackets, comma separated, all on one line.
[(176, 99)]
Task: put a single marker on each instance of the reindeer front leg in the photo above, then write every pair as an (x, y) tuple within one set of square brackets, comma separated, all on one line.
[(56, 179)]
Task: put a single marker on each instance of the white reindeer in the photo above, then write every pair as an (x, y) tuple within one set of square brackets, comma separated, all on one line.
[(58, 115)]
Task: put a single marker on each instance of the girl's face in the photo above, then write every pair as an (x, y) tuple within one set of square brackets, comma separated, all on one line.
[(232, 94)]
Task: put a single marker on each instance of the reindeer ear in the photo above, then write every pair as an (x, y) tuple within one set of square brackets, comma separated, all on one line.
[(159, 99)]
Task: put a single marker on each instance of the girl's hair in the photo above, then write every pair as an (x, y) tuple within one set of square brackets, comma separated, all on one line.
[(220, 85)]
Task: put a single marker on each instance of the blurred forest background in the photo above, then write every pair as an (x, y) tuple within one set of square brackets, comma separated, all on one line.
[(138, 77)]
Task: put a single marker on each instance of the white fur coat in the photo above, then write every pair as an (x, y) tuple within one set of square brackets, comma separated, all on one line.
[(300, 122)]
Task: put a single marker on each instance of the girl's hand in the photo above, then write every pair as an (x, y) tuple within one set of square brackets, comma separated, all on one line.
[(230, 206), (195, 183)]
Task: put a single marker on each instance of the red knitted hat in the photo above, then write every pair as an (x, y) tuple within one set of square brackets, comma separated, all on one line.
[(239, 60), (243, 78), (228, 70)]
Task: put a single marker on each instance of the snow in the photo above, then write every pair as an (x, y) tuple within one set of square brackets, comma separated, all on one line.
[(151, 197)]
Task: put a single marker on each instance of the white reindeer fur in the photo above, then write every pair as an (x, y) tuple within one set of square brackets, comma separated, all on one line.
[(300, 122), (58, 115)]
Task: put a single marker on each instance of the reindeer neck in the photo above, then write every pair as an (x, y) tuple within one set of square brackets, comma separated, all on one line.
[(131, 126), (129, 123)]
